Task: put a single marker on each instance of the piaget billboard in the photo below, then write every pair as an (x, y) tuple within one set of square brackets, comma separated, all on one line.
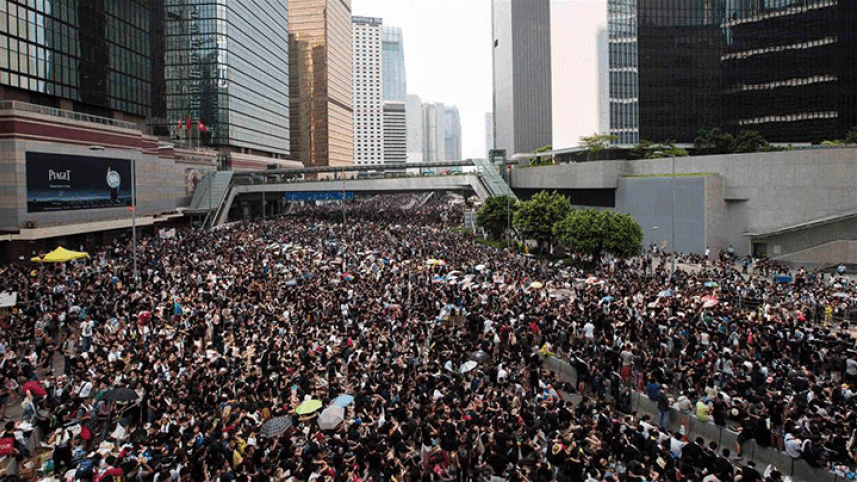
[(57, 182)]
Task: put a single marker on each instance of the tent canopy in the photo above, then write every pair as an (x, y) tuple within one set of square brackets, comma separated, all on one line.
[(60, 255)]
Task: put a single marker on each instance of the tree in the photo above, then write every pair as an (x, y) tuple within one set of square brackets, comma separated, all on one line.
[(591, 231), (851, 137), (535, 218), (496, 214), (543, 160), (710, 140), (597, 143), (649, 150), (749, 141)]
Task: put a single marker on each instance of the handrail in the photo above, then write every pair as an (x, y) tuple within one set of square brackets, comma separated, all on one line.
[(67, 114)]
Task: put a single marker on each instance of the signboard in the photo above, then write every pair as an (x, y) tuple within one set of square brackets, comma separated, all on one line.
[(320, 196), (497, 156), (58, 182)]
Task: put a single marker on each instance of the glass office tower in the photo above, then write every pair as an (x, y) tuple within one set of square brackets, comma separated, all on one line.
[(320, 43), (784, 68), (89, 56), (227, 66)]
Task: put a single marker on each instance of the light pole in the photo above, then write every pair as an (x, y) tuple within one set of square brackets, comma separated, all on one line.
[(672, 230), (134, 216), (654, 244)]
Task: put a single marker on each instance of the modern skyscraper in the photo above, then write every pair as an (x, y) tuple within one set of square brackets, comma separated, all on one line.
[(451, 134), (414, 115), (489, 132), (89, 57), (394, 92), (782, 68), (368, 95), (623, 69), (433, 132), (320, 82), (393, 64), (225, 70), (522, 74)]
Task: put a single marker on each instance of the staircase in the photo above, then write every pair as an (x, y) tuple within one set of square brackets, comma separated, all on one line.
[(209, 194), (491, 179)]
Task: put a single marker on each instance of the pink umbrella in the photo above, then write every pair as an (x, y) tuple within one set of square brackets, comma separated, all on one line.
[(710, 302), (348, 276)]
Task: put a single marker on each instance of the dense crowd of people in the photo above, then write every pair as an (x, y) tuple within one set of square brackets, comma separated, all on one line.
[(197, 371)]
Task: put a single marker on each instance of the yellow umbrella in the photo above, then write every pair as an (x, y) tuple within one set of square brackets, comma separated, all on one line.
[(536, 285), (60, 255), (308, 407)]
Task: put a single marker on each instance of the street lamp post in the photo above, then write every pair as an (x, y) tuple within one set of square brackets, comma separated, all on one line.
[(672, 230), (134, 216), (654, 244)]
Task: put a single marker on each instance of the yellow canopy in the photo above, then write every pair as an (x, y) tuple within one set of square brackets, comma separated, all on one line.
[(60, 255)]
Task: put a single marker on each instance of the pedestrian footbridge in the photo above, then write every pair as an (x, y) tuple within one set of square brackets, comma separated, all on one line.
[(263, 193)]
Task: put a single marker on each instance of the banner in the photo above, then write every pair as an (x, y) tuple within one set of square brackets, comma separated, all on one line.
[(57, 182), (319, 196)]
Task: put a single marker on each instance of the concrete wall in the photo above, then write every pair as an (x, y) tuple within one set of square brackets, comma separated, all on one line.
[(650, 202), (823, 255), (746, 193), (584, 175)]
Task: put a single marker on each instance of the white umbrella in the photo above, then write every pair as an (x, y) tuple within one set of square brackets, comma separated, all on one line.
[(480, 267), (467, 366), (331, 417)]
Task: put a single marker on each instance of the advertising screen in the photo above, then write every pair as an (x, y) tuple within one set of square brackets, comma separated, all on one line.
[(57, 182)]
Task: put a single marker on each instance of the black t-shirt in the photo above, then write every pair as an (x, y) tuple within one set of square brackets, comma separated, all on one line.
[(750, 475)]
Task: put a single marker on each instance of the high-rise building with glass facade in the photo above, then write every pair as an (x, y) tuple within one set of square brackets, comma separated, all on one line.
[(522, 74), (368, 92), (320, 82), (395, 92), (784, 68), (226, 65), (451, 134), (92, 57), (393, 64)]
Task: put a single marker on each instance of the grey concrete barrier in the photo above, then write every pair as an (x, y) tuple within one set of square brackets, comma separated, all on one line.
[(798, 469)]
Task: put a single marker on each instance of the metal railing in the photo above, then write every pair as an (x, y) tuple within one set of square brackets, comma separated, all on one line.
[(66, 114)]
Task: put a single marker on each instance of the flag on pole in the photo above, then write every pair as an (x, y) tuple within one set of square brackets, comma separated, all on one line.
[(180, 128), (188, 123), (201, 127)]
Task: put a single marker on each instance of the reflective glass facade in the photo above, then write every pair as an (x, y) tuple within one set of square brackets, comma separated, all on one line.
[(452, 134), (93, 53), (320, 46), (785, 68), (393, 64), (227, 65), (623, 68)]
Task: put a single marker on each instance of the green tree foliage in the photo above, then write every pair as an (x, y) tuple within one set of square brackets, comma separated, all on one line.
[(535, 218), (712, 141), (495, 214), (597, 143), (591, 231), (542, 161), (749, 141), (649, 150), (851, 137)]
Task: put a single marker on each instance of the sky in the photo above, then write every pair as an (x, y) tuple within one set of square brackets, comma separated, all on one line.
[(448, 59)]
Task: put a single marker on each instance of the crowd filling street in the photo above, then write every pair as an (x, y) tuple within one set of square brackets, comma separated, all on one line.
[(377, 343)]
